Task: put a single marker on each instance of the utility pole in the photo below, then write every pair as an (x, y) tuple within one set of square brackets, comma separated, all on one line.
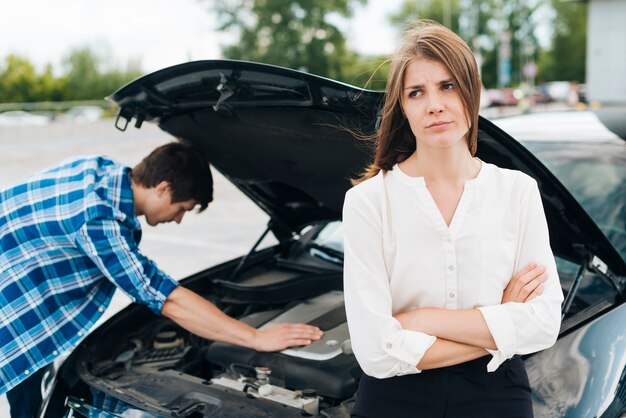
[(504, 49), (474, 29)]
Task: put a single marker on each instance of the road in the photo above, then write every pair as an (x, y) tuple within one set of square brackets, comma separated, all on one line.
[(226, 229)]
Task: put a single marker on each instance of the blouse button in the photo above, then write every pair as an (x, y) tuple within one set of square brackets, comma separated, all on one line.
[(451, 294), (388, 345), (101, 309), (451, 267), (80, 333), (26, 372)]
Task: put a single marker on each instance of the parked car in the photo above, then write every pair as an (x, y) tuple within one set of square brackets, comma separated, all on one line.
[(21, 118), (84, 114), (284, 138), (502, 97)]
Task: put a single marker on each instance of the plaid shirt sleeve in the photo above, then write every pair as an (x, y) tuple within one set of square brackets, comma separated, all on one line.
[(111, 246)]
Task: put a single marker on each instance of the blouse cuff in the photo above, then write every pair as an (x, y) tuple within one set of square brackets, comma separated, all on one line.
[(502, 330), (408, 348)]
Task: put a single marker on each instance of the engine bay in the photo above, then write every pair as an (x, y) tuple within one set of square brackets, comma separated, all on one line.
[(160, 360), (326, 367)]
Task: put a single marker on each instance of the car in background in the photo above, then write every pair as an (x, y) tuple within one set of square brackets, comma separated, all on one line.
[(22, 118), (84, 114), (502, 97), (568, 92), (285, 139), (582, 93)]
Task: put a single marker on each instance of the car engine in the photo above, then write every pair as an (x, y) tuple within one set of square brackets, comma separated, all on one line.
[(326, 367), (319, 376)]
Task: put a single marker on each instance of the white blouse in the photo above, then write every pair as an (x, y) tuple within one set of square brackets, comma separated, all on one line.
[(400, 255)]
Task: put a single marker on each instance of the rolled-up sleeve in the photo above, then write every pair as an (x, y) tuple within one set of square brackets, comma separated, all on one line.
[(110, 245), (382, 348), (523, 328)]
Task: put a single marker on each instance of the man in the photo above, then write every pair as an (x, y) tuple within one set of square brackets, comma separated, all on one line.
[(69, 236)]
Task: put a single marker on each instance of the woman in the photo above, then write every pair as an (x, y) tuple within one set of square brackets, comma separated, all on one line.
[(432, 237)]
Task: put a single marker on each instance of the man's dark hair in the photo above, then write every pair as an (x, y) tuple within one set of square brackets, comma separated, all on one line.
[(183, 167)]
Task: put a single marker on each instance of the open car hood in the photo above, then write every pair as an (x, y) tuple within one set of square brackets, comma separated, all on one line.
[(283, 137)]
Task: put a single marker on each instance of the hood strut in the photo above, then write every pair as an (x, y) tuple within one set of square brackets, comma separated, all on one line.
[(244, 259), (596, 265)]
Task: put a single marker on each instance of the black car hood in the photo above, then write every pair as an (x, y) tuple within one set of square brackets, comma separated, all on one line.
[(285, 138)]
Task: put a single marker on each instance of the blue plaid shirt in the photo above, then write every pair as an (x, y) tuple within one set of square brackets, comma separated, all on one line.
[(68, 238)]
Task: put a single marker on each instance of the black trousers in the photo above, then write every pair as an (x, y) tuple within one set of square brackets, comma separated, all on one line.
[(463, 391), (25, 398)]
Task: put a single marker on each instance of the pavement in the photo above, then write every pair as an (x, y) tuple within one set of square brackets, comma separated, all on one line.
[(226, 229)]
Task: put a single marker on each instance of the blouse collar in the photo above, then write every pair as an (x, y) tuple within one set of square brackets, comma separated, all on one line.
[(397, 172)]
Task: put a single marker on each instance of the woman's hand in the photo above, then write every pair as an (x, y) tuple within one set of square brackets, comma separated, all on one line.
[(526, 284), (468, 326)]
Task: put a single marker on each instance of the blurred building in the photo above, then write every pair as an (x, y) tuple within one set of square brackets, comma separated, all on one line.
[(606, 52)]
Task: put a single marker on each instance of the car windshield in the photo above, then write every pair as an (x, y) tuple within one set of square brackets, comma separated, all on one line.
[(595, 174)]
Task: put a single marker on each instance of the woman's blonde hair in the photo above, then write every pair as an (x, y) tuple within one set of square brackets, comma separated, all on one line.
[(394, 141)]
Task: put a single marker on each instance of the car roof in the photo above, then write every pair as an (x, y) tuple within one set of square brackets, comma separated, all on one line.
[(573, 126)]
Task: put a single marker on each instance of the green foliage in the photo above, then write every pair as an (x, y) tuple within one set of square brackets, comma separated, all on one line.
[(86, 77), (82, 75), (368, 72), (490, 68), (480, 23), (446, 12), (18, 79), (301, 34), (291, 33), (566, 59), (51, 88)]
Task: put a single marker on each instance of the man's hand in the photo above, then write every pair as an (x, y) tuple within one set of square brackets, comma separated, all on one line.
[(281, 336), (199, 316), (526, 284)]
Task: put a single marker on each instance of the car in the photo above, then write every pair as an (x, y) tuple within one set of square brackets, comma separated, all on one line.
[(287, 140), (84, 114), (502, 97), (558, 91), (22, 118)]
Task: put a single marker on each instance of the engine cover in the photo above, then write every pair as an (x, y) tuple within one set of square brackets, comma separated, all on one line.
[(327, 365)]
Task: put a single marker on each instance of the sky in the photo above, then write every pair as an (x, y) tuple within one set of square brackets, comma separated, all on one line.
[(158, 33)]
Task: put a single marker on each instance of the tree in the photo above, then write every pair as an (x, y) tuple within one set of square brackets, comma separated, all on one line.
[(446, 12), (481, 24), (290, 33), (566, 59), (517, 18), (368, 72), (18, 80), (90, 75), (50, 88), (81, 74), (115, 77)]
